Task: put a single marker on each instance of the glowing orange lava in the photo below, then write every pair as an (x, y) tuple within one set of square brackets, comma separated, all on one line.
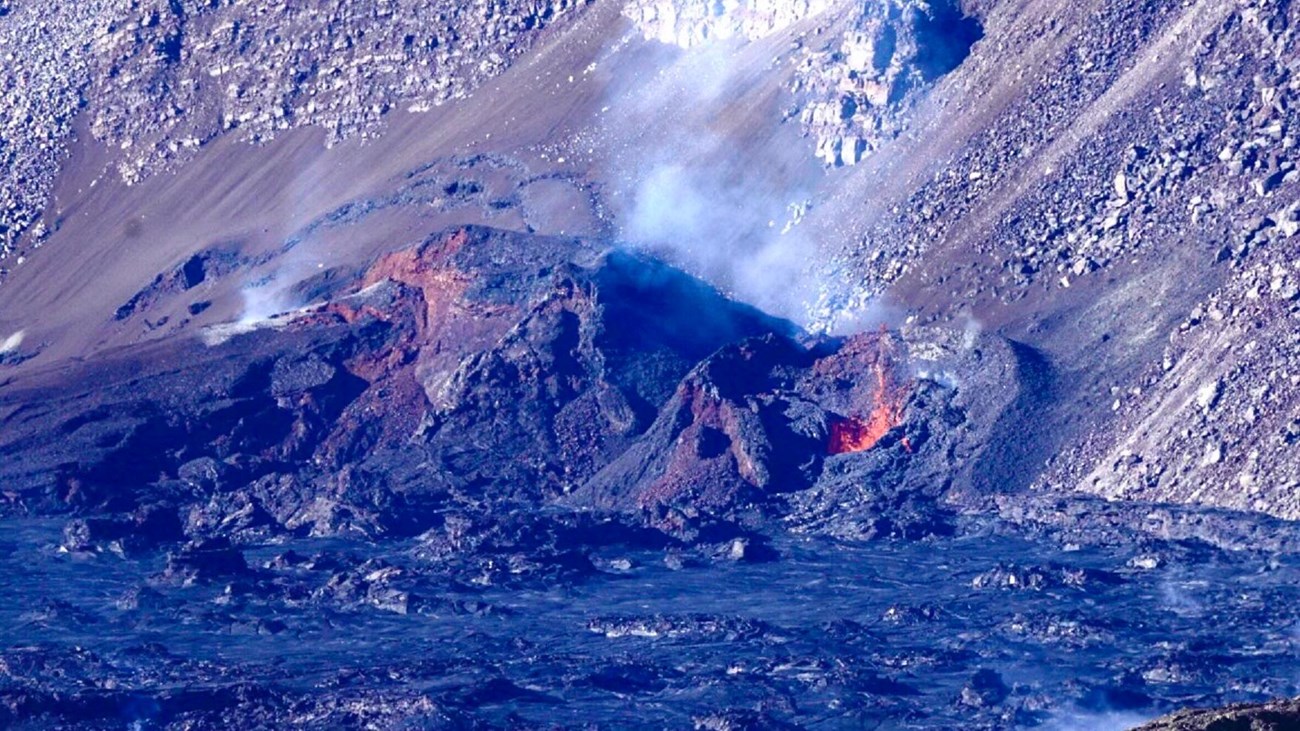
[(858, 434)]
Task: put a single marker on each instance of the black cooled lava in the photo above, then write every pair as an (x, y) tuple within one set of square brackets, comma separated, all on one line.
[(979, 631)]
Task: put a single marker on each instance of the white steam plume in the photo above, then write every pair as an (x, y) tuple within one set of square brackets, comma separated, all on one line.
[(271, 293), (705, 181), (266, 298), (1095, 721), (12, 342)]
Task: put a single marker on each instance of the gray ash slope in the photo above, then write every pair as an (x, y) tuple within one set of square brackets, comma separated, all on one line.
[(265, 392)]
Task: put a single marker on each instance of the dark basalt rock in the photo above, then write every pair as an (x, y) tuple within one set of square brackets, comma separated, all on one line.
[(373, 583), (741, 719), (1282, 715), (148, 527), (462, 368), (205, 560), (693, 626), (722, 444), (629, 678), (140, 598), (1039, 578), (516, 547), (58, 611), (985, 688)]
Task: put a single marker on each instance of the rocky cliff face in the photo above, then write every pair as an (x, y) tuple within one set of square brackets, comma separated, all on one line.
[(860, 92), (857, 71), (688, 24)]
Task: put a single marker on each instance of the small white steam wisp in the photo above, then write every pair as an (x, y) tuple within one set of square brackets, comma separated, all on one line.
[(12, 343), (265, 305), (1095, 721)]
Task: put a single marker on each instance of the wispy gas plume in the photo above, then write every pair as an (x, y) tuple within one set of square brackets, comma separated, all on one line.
[(706, 179), (12, 342), (266, 298), (270, 290), (1095, 721), (1178, 599)]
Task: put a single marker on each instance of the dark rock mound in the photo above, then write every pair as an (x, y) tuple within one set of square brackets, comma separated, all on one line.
[(1283, 715), (479, 362), (483, 373), (204, 561), (202, 267)]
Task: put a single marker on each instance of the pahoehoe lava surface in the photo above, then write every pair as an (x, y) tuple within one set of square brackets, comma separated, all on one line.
[(765, 364)]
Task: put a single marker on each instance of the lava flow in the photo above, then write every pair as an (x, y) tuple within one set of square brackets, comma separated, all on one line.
[(858, 434)]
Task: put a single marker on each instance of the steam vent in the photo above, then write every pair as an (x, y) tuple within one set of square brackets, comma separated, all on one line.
[(650, 364)]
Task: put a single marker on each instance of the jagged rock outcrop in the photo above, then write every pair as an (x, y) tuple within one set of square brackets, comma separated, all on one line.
[(859, 92), (853, 85), (688, 23), (1275, 716)]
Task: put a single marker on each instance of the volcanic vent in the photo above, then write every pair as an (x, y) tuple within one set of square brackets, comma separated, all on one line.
[(879, 406)]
